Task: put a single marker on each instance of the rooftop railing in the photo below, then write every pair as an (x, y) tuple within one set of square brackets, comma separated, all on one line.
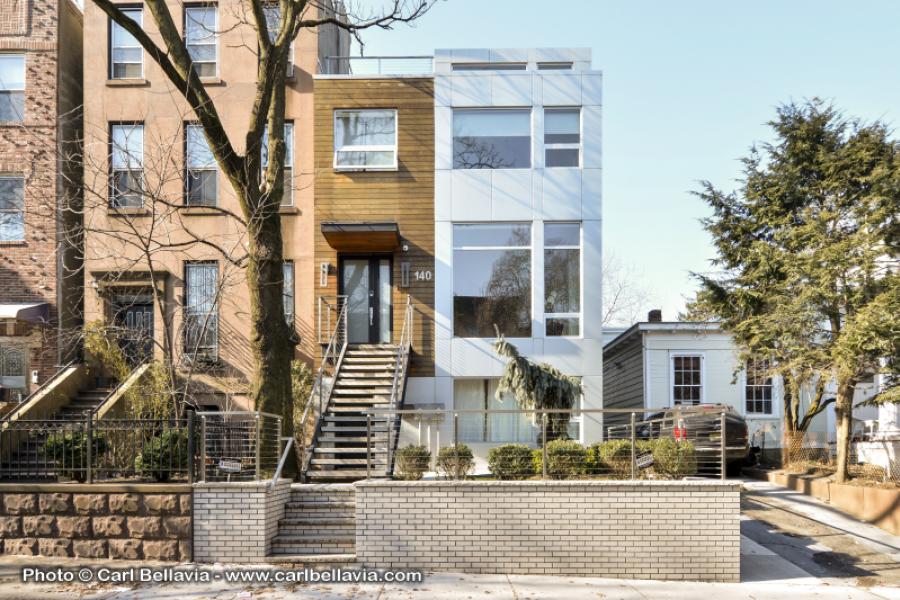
[(377, 65)]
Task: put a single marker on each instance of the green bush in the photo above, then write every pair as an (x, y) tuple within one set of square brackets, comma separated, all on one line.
[(611, 457), (566, 459), (69, 451), (455, 462), (165, 453), (510, 461), (412, 462), (671, 458)]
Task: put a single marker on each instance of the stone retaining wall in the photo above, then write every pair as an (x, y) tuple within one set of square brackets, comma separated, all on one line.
[(235, 522), (643, 530), (151, 522)]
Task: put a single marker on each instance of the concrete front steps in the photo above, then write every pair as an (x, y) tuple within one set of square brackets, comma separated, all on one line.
[(319, 526)]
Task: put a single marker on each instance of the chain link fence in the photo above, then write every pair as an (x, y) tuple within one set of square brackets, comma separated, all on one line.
[(874, 458)]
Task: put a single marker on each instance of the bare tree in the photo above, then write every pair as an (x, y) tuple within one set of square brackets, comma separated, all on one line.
[(259, 190), (625, 298)]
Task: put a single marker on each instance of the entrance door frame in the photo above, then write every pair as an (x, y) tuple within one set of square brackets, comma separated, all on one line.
[(374, 284)]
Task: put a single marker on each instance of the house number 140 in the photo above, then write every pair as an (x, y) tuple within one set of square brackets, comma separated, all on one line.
[(423, 275)]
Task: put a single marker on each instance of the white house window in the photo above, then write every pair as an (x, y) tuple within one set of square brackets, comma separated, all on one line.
[(562, 279), (12, 87), (562, 137), (201, 176), (492, 138), (201, 311), (365, 139), (288, 198), (12, 208), (687, 379), (127, 158), (287, 269), (273, 26), (126, 57), (200, 38), (758, 388), (492, 279), (481, 394)]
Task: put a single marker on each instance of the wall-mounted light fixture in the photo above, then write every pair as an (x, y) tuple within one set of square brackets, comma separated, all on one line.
[(323, 274)]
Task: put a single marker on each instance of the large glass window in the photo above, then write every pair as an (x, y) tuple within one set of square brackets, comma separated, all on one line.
[(562, 279), (492, 279), (12, 87), (492, 138), (201, 174), (201, 314), (365, 139), (481, 394), (127, 158), (758, 388), (200, 38), (12, 208), (126, 57), (288, 198), (687, 379), (562, 137), (287, 269)]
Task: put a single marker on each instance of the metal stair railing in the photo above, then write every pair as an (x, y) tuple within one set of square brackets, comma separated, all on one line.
[(398, 386), (324, 382)]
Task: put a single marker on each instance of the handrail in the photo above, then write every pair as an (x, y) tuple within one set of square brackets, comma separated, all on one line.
[(378, 65), (334, 353), (290, 442), (132, 378), (398, 385), (56, 375)]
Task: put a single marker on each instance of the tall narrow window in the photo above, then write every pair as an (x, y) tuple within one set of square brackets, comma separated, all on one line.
[(273, 25), (758, 388), (365, 139), (562, 137), (200, 38), (492, 279), (12, 87), (127, 158), (126, 57), (287, 269), (288, 198), (13, 383), (201, 175), (492, 138), (201, 313), (12, 208), (562, 279), (687, 379)]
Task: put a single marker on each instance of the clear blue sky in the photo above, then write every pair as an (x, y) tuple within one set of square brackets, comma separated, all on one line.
[(688, 87)]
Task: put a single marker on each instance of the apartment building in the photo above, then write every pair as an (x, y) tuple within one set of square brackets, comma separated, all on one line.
[(473, 191), (40, 122), (162, 244)]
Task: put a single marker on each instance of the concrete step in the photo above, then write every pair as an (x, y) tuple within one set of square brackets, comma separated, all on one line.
[(348, 462), (324, 440), (353, 429), (359, 449), (311, 559), (382, 421), (344, 474), (317, 506)]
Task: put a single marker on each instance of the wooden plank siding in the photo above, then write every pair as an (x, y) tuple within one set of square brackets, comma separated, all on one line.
[(405, 195), (623, 378)]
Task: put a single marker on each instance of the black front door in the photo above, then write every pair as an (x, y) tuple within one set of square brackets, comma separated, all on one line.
[(366, 282), (135, 320)]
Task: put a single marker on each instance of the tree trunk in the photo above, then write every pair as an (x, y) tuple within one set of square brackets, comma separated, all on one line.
[(270, 340), (789, 431), (843, 412)]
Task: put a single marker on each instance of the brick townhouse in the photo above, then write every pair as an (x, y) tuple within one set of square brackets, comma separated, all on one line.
[(40, 99)]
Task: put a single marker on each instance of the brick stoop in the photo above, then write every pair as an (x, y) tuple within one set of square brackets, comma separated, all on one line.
[(318, 527)]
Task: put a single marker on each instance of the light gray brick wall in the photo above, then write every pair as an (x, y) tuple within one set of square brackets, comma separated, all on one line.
[(235, 522), (637, 530)]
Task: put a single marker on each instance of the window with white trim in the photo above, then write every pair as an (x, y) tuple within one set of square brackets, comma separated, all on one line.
[(201, 185), (12, 88), (758, 388), (12, 208), (201, 310), (287, 269), (562, 279), (287, 199), (562, 137), (492, 138), (365, 139), (127, 170), (687, 379), (126, 56), (200, 37)]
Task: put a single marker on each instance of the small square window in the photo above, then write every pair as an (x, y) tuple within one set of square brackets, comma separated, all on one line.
[(365, 140)]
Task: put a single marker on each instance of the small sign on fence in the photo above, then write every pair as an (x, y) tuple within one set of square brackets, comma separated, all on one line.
[(230, 466), (642, 461)]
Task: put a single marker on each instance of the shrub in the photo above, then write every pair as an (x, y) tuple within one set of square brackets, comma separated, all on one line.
[(69, 451), (510, 461), (165, 453), (412, 462), (610, 457), (673, 458), (455, 462), (566, 459)]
